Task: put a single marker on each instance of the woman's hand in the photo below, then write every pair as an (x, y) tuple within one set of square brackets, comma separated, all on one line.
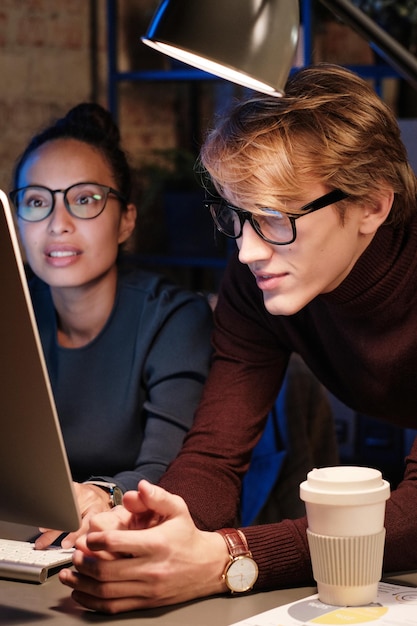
[(91, 500), (147, 553)]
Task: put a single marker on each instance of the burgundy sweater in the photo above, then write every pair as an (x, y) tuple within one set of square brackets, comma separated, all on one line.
[(360, 340)]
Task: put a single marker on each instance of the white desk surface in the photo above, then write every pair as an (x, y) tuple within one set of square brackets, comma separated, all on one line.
[(27, 604)]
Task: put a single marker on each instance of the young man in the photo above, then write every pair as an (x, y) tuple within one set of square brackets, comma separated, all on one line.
[(317, 191)]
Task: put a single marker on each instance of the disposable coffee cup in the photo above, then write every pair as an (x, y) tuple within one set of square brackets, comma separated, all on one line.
[(345, 509)]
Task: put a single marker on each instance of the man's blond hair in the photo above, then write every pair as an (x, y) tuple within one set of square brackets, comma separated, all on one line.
[(329, 128)]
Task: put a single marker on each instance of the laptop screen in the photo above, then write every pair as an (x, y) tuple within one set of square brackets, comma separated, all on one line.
[(35, 476)]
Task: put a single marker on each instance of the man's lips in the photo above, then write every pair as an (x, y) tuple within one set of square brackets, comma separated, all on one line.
[(266, 281)]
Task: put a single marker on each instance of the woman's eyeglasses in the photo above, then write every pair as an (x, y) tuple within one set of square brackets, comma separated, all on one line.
[(86, 201)]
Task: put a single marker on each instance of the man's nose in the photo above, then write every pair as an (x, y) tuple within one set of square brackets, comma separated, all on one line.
[(251, 245)]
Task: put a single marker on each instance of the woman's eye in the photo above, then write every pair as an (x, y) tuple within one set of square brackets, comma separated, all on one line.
[(90, 198), (84, 199), (36, 202)]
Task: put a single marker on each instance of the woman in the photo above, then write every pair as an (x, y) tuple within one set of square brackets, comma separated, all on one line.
[(127, 354)]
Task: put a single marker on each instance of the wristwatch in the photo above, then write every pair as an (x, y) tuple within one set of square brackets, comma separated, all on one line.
[(241, 572), (115, 493)]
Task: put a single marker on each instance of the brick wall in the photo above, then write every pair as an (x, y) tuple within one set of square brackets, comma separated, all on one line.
[(47, 65), (44, 67)]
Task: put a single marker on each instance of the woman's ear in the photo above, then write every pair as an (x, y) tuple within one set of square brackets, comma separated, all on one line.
[(376, 213), (127, 222)]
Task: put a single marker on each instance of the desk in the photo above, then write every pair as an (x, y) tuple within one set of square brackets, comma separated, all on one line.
[(50, 603), (26, 604)]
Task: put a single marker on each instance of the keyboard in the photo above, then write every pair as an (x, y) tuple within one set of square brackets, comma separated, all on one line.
[(20, 561)]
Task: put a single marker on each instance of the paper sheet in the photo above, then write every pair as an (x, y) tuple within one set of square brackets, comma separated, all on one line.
[(396, 605)]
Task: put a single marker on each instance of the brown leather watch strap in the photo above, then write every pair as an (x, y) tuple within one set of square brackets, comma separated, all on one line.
[(236, 542)]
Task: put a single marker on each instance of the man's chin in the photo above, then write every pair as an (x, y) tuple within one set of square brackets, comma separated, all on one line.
[(280, 305)]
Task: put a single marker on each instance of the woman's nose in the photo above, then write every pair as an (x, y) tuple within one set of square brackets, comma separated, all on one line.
[(60, 219)]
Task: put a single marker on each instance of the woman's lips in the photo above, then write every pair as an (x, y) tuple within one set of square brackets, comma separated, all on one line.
[(62, 253), (61, 256)]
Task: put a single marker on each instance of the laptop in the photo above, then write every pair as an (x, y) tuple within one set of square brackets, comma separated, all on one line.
[(36, 483)]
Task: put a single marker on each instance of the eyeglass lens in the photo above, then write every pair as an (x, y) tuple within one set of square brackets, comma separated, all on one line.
[(274, 227), (84, 200)]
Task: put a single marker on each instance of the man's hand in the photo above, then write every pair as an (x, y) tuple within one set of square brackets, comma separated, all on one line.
[(147, 553), (91, 500)]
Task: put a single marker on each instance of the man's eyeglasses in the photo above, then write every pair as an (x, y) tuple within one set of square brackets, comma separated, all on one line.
[(273, 226), (83, 200)]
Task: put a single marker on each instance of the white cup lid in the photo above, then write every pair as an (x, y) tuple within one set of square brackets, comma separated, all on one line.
[(344, 485)]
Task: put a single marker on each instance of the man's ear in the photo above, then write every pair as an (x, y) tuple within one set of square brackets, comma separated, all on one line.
[(127, 222), (375, 214)]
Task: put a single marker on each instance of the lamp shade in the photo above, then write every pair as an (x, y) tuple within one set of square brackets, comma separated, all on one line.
[(249, 42)]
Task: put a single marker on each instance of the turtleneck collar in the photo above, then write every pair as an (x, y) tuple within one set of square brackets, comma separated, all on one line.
[(381, 269)]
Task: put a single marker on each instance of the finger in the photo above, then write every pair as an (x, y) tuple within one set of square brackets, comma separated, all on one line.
[(163, 503), (141, 517), (121, 569), (82, 546), (136, 501), (69, 540), (132, 501), (104, 539), (112, 606), (119, 586), (46, 538), (116, 518), (113, 583), (105, 597), (86, 524), (116, 543), (136, 541)]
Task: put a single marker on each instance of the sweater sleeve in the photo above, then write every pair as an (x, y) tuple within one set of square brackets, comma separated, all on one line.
[(281, 550), (176, 370), (244, 380), (174, 373), (401, 520)]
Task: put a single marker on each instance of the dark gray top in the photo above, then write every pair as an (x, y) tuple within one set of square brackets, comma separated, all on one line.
[(126, 400)]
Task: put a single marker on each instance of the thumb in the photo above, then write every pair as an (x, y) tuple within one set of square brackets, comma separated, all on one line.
[(160, 501)]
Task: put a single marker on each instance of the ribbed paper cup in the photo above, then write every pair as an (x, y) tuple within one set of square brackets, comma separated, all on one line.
[(347, 569), (345, 511)]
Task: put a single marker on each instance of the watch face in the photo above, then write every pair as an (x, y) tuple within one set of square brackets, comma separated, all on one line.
[(242, 574)]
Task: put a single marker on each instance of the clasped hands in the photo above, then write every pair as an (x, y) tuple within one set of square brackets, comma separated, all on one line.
[(144, 554)]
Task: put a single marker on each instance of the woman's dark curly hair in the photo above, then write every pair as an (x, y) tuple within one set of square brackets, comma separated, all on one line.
[(93, 125)]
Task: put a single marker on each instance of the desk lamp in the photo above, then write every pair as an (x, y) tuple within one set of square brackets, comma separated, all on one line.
[(249, 42), (253, 42)]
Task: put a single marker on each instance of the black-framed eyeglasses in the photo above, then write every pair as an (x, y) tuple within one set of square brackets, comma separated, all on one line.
[(273, 226), (86, 201)]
